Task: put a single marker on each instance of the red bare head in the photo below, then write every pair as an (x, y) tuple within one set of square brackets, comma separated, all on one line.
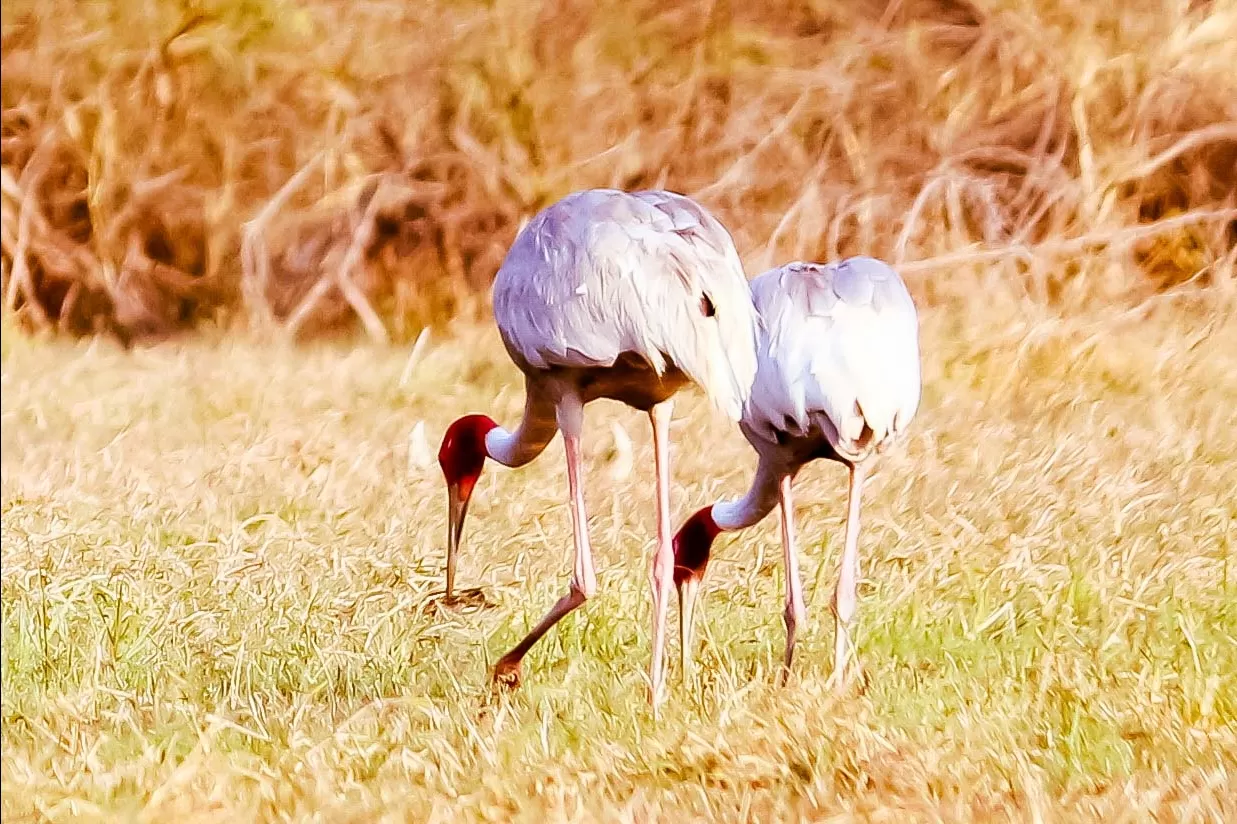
[(462, 454), (462, 457), (692, 544)]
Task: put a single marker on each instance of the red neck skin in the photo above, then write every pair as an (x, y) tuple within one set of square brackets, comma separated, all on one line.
[(692, 544), (462, 454)]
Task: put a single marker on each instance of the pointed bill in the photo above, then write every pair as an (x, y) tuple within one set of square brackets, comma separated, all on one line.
[(688, 590), (457, 508)]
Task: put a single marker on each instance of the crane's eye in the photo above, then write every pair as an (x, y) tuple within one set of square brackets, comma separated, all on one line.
[(706, 307)]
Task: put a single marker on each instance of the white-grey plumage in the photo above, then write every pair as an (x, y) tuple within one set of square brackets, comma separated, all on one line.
[(841, 357), (603, 273), (608, 294), (838, 377)]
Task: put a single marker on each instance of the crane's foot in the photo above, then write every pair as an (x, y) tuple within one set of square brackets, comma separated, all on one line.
[(463, 601), (851, 677), (507, 674), (656, 699), (788, 660)]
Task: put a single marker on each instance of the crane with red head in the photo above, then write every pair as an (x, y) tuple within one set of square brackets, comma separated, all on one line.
[(461, 457), (838, 378), (607, 294)]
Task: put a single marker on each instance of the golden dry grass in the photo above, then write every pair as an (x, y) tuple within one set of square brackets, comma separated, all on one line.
[(217, 558), (218, 554), (142, 138)]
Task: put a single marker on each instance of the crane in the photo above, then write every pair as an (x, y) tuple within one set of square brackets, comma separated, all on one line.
[(607, 294), (838, 378)]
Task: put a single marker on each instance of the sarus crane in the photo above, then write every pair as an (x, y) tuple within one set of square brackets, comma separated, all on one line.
[(608, 294), (838, 377)]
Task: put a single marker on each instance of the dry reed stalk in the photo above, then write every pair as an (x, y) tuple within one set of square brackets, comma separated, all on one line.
[(255, 257), (1215, 133), (19, 274), (1112, 238), (341, 278), (916, 131)]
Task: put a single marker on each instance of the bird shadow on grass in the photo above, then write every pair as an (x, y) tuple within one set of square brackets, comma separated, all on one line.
[(465, 601)]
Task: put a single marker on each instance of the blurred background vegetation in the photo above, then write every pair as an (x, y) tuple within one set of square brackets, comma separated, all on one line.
[(330, 165)]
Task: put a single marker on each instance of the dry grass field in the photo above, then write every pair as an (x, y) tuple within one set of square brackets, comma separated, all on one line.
[(173, 164), (220, 557), (221, 546)]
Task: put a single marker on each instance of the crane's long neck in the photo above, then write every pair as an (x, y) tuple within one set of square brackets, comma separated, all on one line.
[(760, 499), (530, 438)]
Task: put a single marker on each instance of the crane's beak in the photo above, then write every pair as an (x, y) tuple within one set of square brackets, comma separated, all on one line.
[(457, 508), (688, 589)]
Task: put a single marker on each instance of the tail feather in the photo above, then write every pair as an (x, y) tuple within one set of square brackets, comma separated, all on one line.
[(882, 367)]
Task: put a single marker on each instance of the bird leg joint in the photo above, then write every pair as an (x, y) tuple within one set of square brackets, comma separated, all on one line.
[(843, 606), (581, 590), (795, 614)]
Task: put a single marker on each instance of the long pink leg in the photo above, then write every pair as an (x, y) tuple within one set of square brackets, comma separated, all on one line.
[(584, 577), (796, 611), (844, 598), (663, 557)]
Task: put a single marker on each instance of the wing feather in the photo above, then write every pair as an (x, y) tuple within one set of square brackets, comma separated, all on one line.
[(603, 272), (840, 354)]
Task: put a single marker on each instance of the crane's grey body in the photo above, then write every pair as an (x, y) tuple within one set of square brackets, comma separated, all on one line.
[(607, 294), (838, 377), (607, 291), (838, 365)]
